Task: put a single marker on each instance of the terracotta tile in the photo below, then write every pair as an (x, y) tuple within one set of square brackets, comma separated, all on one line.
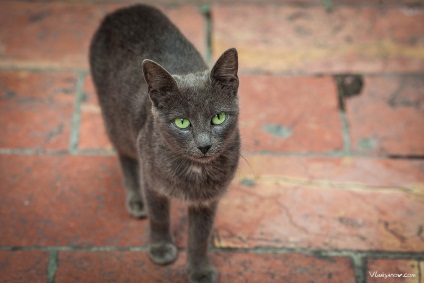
[(233, 267), (296, 114), (23, 266), (191, 23), (380, 3), (70, 201), (51, 35), (387, 117), (309, 39), (388, 270), (286, 2), (324, 204), (92, 130), (37, 109), (59, 34), (348, 171), (89, 92), (109, 267), (282, 268)]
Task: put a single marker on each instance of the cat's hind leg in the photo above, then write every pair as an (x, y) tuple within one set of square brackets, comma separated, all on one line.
[(134, 198)]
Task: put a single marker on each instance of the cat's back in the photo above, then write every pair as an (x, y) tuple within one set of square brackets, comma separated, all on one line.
[(130, 35)]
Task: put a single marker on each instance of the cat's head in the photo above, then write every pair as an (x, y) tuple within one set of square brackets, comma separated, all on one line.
[(196, 114)]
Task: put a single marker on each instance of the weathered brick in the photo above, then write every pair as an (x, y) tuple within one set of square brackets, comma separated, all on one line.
[(312, 40), (23, 266), (387, 117), (292, 114), (191, 23), (115, 267), (233, 267), (379, 2), (59, 34), (69, 201), (377, 269), (324, 204), (92, 130), (36, 109), (286, 2), (306, 196), (282, 268)]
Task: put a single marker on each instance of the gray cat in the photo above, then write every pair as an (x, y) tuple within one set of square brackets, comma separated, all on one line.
[(175, 130)]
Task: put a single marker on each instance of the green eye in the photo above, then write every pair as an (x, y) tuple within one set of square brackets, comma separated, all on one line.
[(218, 119), (182, 123)]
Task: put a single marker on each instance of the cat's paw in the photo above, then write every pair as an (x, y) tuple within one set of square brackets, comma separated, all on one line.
[(136, 207), (162, 253), (203, 275)]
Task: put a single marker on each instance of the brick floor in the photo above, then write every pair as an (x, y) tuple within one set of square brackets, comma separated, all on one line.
[(383, 101), (308, 198), (409, 270), (301, 114), (57, 35), (23, 266), (331, 186), (234, 267), (36, 109), (311, 40)]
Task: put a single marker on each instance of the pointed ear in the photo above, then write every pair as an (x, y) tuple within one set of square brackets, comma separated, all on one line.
[(224, 72), (159, 81)]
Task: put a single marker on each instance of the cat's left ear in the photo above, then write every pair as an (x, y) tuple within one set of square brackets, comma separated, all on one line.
[(159, 81), (224, 72)]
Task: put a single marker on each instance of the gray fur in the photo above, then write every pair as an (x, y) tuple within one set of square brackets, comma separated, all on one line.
[(146, 75)]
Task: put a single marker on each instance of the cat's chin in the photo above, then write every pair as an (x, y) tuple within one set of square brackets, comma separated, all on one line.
[(204, 159)]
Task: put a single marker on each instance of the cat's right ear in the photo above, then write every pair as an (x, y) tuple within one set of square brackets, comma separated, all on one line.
[(224, 72), (159, 82)]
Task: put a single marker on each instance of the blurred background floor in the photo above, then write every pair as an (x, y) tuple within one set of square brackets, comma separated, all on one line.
[(332, 121)]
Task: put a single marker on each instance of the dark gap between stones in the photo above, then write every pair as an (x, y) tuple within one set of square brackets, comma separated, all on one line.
[(348, 85)]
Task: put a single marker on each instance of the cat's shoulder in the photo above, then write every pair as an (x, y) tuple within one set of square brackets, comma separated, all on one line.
[(133, 12)]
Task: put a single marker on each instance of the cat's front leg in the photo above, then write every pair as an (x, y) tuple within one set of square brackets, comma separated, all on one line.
[(134, 199), (161, 247), (200, 221)]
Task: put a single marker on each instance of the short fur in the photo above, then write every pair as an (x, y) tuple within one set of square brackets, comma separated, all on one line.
[(159, 161)]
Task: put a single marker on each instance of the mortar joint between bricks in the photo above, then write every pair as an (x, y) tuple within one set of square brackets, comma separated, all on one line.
[(76, 117), (359, 267), (52, 266), (206, 12), (342, 114)]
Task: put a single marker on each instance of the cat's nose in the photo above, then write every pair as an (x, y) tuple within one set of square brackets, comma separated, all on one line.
[(204, 149)]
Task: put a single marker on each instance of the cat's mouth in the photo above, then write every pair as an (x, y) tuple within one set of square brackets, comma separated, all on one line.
[(204, 158)]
